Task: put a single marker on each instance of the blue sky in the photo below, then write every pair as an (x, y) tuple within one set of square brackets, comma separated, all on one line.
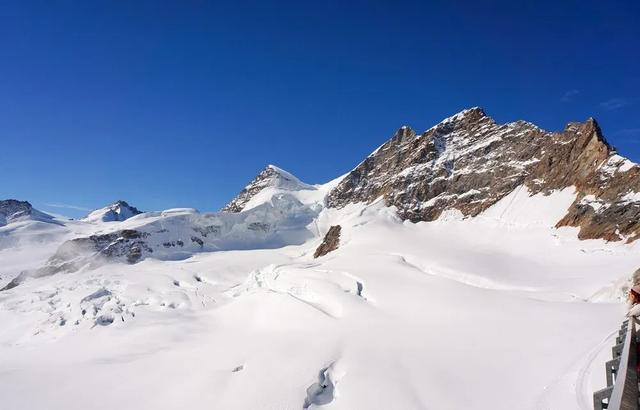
[(171, 104)]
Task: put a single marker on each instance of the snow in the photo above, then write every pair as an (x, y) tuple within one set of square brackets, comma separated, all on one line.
[(631, 196), (501, 311), (614, 164), (593, 202)]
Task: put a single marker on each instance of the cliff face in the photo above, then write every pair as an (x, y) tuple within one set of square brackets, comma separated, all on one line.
[(330, 243), (469, 162)]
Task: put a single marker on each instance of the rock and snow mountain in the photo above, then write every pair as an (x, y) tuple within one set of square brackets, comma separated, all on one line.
[(273, 178), (341, 295), (12, 210), (117, 211), (468, 162)]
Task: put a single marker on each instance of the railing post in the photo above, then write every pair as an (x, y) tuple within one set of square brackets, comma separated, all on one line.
[(622, 391)]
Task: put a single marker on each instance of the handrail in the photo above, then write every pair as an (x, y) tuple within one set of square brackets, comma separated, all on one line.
[(623, 393), (625, 389)]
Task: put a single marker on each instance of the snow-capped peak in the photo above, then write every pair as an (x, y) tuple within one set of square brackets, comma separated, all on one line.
[(278, 177), (473, 113), (273, 177), (117, 211)]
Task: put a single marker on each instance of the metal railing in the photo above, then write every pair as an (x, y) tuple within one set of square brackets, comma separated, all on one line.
[(622, 391)]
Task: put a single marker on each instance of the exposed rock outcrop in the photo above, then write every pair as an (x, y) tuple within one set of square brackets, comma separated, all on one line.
[(469, 162), (330, 243), (126, 245)]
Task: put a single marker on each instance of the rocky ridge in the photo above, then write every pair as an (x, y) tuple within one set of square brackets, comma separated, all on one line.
[(469, 162)]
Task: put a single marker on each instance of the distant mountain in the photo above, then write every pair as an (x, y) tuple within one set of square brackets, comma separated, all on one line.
[(117, 211), (465, 164), (12, 210), (270, 177), (468, 162)]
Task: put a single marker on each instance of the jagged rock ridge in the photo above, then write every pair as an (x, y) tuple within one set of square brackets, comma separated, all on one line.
[(469, 162), (270, 177)]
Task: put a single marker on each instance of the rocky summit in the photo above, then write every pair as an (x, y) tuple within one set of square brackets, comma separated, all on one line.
[(468, 162)]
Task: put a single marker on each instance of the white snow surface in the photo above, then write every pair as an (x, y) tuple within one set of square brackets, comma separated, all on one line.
[(614, 164), (501, 311)]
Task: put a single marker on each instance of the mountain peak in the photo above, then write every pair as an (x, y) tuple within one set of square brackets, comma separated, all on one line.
[(270, 177), (468, 162), (468, 114), (12, 210), (117, 211), (405, 132)]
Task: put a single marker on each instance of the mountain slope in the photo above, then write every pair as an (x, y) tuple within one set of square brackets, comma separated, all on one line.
[(469, 162), (264, 328)]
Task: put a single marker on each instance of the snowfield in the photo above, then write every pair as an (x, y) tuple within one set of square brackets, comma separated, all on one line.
[(501, 311)]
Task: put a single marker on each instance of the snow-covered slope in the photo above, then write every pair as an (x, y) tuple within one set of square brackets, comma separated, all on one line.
[(27, 238), (230, 310), (399, 306)]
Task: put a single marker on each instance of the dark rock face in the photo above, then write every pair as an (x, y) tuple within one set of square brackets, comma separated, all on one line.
[(12, 209), (330, 243), (469, 162)]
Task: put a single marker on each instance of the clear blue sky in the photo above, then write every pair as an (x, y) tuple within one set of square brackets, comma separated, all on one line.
[(181, 103)]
